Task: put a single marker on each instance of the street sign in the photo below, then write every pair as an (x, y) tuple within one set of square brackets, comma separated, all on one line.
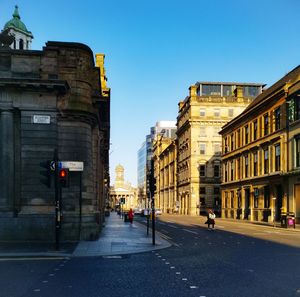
[(41, 119), (52, 165), (71, 165)]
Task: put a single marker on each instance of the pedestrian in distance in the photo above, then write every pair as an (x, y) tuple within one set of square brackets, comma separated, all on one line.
[(210, 219), (130, 215)]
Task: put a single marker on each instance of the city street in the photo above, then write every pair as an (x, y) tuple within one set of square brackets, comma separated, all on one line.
[(237, 259)]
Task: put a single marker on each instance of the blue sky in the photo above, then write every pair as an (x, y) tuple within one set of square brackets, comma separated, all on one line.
[(156, 49)]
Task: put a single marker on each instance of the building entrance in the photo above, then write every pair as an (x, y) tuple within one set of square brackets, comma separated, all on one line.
[(247, 204), (278, 202)]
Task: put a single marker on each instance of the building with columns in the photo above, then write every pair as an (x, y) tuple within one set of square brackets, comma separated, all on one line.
[(122, 189), (209, 106), (260, 157)]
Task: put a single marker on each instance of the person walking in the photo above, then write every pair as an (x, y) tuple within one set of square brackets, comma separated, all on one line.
[(130, 215), (211, 219)]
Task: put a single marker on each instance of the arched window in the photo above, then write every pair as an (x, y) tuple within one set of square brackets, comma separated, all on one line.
[(21, 44)]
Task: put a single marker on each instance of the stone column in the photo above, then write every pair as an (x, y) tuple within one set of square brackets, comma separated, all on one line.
[(7, 171)]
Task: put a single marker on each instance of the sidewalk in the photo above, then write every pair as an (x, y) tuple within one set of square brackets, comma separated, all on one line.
[(117, 237)]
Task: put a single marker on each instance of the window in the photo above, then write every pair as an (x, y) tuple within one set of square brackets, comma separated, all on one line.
[(277, 118), (217, 113), (277, 157), (225, 145), (246, 165), (227, 90), (211, 90), (255, 130), (217, 148), (202, 190), (239, 169), (232, 170), (297, 150), (225, 172), (238, 137), (202, 131), (256, 195), (202, 148), (255, 163), (266, 124), (216, 170), (251, 91), (230, 112), (202, 201), (266, 161), (246, 134), (232, 142), (297, 108), (202, 170), (267, 197), (202, 112)]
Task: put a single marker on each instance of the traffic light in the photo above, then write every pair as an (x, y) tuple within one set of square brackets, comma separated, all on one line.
[(63, 177), (152, 185), (45, 173), (152, 180)]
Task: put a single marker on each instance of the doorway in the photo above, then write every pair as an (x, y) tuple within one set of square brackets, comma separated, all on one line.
[(247, 204), (278, 202)]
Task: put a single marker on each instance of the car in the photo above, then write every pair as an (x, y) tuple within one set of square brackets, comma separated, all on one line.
[(137, 211), (158, 211)]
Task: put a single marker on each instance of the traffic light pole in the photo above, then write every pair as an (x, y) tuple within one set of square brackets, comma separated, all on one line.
[(153, 220), (57, 200)]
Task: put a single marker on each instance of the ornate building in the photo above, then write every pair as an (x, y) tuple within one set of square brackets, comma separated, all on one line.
[(201, 115), (51, 100), (124, 190), (261, 150)]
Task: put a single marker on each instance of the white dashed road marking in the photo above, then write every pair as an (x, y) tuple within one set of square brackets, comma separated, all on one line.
[(190, 231)]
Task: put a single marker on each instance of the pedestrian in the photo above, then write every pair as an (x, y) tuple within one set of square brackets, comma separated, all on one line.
[(130, 215), (211, 219)]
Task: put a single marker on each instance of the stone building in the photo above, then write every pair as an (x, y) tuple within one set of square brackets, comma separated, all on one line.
[(165, 172), (209, 106), (122, 189), (52, 99), (261, 150)]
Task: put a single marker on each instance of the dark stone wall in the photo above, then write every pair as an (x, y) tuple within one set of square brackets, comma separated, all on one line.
[(59, 82)]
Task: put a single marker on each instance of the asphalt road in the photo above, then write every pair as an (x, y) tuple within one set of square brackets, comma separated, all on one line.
[(235, 260)]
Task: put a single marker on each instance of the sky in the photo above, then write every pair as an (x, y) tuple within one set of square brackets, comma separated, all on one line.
[(155, 50)]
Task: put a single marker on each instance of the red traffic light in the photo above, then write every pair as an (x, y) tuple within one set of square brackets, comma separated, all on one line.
[(63, 176), (62, 173)]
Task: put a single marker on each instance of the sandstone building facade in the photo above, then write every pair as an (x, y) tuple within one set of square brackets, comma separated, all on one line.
[(165, 173), (201, 115), (261, 155)]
